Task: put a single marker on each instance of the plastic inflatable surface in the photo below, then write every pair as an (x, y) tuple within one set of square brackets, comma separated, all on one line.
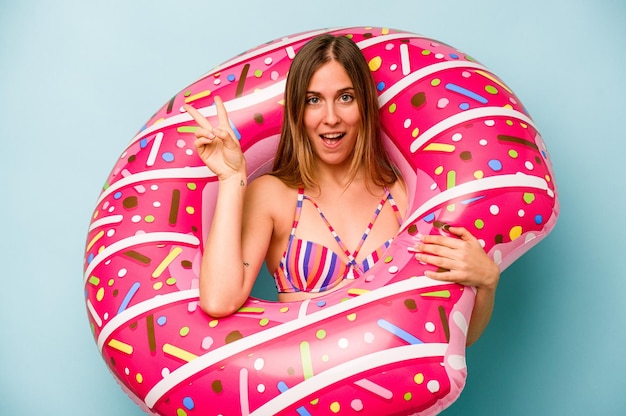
[(391, 342)]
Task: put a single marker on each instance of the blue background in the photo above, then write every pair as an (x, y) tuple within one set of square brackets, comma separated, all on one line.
[(79, 78)]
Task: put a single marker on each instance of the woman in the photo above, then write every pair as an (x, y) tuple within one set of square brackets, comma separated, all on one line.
[(332, 179)]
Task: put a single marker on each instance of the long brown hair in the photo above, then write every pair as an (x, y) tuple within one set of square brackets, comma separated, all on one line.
[(294, 163)]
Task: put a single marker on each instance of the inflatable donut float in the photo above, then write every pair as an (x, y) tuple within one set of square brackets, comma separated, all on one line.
[(391, 342)]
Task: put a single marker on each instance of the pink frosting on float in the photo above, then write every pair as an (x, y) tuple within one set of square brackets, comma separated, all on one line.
[(390, 341)]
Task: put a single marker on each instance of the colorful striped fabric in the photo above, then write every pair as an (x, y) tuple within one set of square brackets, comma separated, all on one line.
[(307, 266)]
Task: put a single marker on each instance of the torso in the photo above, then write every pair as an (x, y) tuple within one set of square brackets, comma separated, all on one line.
[(348, 211)]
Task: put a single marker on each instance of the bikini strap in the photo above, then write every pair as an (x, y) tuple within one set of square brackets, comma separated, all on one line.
[(395, 208), (352, 256)]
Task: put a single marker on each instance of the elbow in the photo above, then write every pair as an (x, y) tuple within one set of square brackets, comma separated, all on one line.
[(217, 308)]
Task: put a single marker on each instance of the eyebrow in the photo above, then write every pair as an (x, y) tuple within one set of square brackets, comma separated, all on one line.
[(339, 91)]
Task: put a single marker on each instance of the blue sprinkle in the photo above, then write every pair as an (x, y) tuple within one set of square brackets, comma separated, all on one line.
[(399, 332), (302, 411), (538, 219), (117, 195), (454, 56), (282, 387), (89, 258), (321, 303), (464, 91), (143, 143), (133, 289), (469, 201), (188, 403), (430, 217), (168, 156), (495, 165), (161, 320), (230, 77), (380, 86), (237, 134), (464, 106)]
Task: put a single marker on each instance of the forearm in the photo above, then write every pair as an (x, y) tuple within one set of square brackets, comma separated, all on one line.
[(222, 269), (481, 314)]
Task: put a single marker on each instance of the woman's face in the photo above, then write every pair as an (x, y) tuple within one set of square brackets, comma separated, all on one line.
[(331, 114)]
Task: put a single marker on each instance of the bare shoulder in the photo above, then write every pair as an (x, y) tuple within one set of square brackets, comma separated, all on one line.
[(269, 193)]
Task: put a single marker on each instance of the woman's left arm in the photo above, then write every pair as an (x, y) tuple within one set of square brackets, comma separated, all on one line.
[(461, 259)]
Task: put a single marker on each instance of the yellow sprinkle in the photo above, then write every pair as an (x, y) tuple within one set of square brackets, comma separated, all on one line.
[(197, 96), (357, 292), (178, 353), (479, 174), (440, 147), (121, 346), (190, 210), (335, 407), (418, 378), (249, 309), (139, 378), (384, 31), (437, 294), (351, 317), (375, 63), (100, 294), (439, 170), (213, 323), (166, 261), (515, 232), (94, 239), (284, 309), (157, 285)]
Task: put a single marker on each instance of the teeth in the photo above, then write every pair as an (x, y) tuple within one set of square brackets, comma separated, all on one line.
[(332, 136)]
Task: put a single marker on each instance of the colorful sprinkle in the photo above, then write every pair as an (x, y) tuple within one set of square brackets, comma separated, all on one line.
[(399, 332)]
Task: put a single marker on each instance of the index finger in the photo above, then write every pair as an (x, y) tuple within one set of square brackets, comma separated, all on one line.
[(198, 117)]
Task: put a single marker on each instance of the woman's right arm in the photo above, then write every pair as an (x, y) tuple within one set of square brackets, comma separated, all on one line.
[(232, 255)]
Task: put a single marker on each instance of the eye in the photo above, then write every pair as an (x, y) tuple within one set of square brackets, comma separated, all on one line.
[(312, 100), (346, 98)]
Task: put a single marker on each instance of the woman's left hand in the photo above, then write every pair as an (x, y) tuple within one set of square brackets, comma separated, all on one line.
[(460, 259)]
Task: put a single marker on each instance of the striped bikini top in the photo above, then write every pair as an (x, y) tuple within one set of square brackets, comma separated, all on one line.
[(311, 267)]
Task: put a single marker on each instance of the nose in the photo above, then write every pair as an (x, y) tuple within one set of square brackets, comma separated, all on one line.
[(331, 116)]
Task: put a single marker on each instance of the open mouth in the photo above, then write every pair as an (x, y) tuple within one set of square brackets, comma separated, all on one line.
[(332, 138)]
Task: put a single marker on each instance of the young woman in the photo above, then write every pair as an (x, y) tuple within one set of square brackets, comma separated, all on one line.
[(333, 201)]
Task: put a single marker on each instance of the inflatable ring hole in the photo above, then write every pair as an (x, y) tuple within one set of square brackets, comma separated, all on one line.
[(264, 287)]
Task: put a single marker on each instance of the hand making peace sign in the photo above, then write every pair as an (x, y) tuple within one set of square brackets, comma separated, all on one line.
[(218, 146)]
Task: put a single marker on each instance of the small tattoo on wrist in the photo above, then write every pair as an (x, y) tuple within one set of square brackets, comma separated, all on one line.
[(246, 264), (242, 183)]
